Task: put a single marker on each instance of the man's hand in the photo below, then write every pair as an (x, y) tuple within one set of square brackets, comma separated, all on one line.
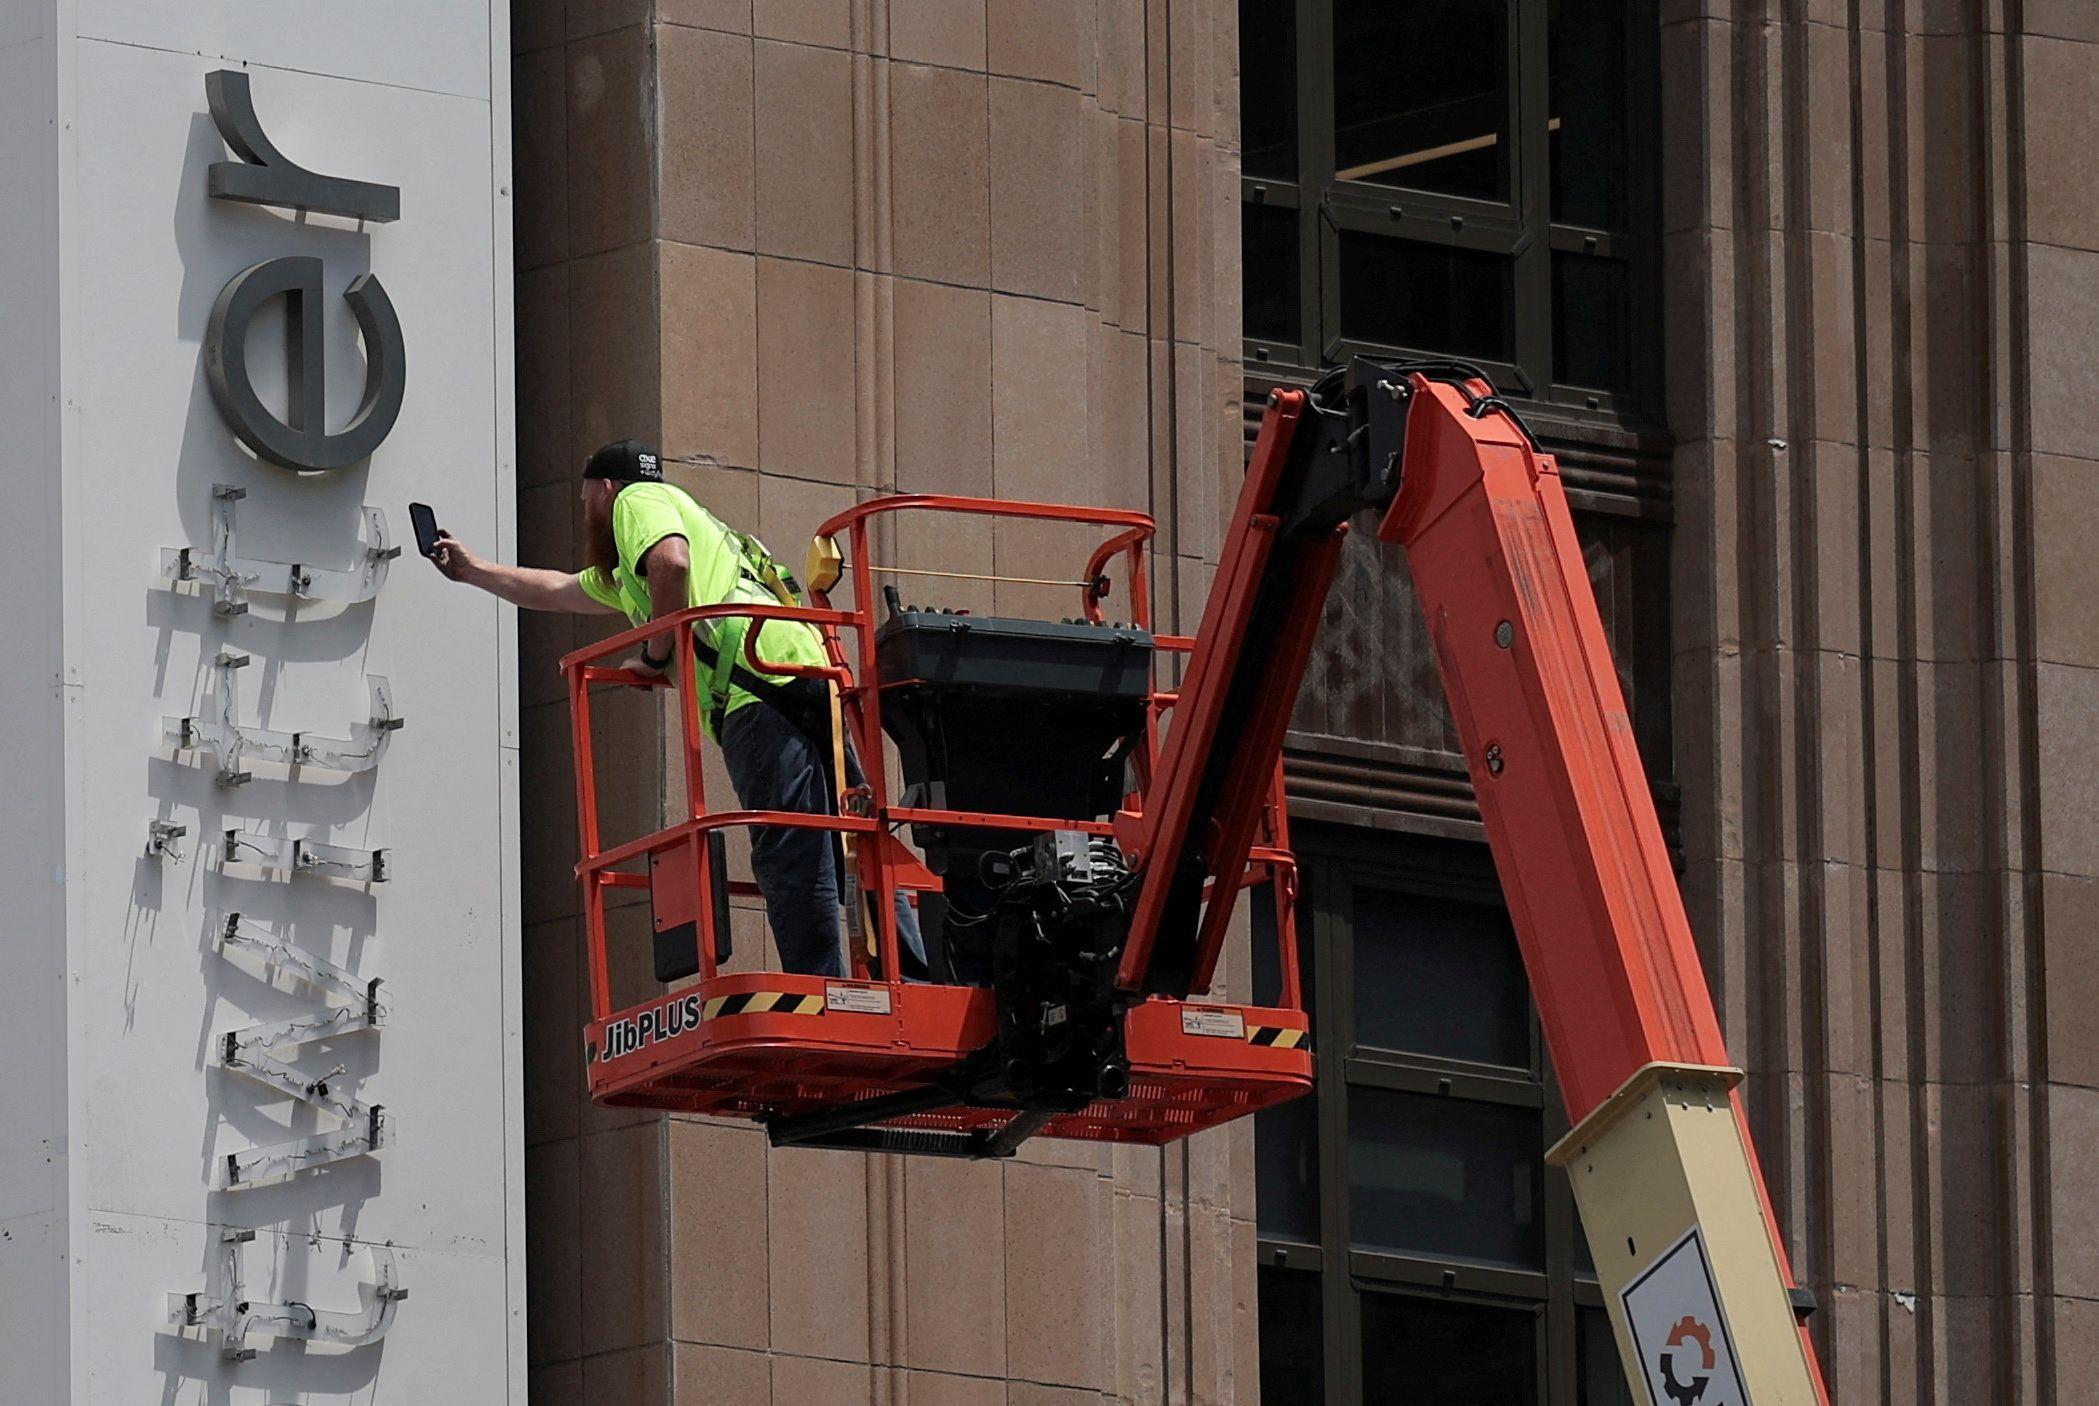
[(453, 558), (640, 663)]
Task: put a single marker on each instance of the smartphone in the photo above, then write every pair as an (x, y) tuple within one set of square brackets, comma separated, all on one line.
[(426, 529)]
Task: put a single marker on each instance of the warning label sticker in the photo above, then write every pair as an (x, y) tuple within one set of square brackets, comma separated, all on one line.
[(1687, 1355), (1227, 1025), (860, 1000)]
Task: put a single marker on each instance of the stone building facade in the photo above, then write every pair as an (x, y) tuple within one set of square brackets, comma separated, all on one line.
[(821, 250), (818, 252)]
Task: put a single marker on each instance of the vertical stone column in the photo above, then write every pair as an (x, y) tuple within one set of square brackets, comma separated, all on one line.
[(820, 251), (1880, 390)]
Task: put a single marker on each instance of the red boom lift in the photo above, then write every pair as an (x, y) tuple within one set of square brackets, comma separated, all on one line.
[(1085, 835)]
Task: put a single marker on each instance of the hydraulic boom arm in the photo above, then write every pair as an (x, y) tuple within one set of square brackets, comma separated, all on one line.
[(1663, 1169)]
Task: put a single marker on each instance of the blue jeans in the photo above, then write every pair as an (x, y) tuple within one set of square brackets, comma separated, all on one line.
[(774, 766)]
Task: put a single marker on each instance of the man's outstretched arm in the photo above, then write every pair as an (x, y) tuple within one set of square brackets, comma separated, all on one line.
[(527, 587)]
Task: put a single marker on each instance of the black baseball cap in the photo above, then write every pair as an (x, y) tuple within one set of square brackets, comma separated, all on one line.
[(628, 460)]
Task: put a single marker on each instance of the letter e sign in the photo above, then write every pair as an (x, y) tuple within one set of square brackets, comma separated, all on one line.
[(264, 176)]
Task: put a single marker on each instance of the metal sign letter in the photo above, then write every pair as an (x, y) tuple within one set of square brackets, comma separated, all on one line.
[(266, 176), (301, 441)]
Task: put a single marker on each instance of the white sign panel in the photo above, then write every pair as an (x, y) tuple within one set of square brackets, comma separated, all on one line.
[(1687, 1356), (261, 1136)]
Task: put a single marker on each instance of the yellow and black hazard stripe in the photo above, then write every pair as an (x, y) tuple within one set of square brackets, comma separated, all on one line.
[(1281, 1037), (760, 1002)]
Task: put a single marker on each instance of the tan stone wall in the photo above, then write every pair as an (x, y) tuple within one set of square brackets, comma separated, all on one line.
[(819, 250), (1883, 273)]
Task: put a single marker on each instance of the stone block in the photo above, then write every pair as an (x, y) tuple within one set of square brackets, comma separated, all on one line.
[(1962, 1147), (553, 1017), (705, 149), (1133, 208), (732, 16), (807, 409), (945, 32), (1698, 332), (2065, 566), (2063, 342), (593, 17), (539, 158), (719, 1376), (543, 439), (719, 1252), (622, 1220), (818, 1252), (2061, 19), (1037, 1394), (2076, 1326), (1194, 161), (2068, 709), (2073, 1183), (554, 1252), (1056, 1239), (1189, 100), (789, 510), (2070, 978), (641, 1374), (611, 96), (1118, 26), (944, 372), (557, 1385), (537, 24), (1038, 396), (940, 162), (826, 22), (2061, 96), (945, 1389), (804, 98), (955, 1267), (1040, 237), (946, 543), (613, 381), (547, 813), (709, 355), (1051, 40), (817, 1380)]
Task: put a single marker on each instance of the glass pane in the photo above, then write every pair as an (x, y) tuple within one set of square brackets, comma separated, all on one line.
[(1442, 1176), (1591, 322), (1424, 296), (1268, 89), (1440, 976), (1434, 1350), (1588, 112), (1268, 250), (1293, 1366), (1421, 95), (1286, 1170), (1596, 1364)]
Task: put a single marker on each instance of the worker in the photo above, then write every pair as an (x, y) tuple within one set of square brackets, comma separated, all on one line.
[(650, 550)]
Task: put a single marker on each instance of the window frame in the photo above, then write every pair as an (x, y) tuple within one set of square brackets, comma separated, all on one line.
[(1335, 862), (1521, 229)]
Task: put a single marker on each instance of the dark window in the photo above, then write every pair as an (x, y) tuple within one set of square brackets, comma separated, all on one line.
[(1429, 1254), (1422, 1349), (1293, 1359), (1444, 1178), (1421, 95), (1268, 243), (1429, 297), (1436, 975), (1596, 1361), (1268, 89), (1457, 177)]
